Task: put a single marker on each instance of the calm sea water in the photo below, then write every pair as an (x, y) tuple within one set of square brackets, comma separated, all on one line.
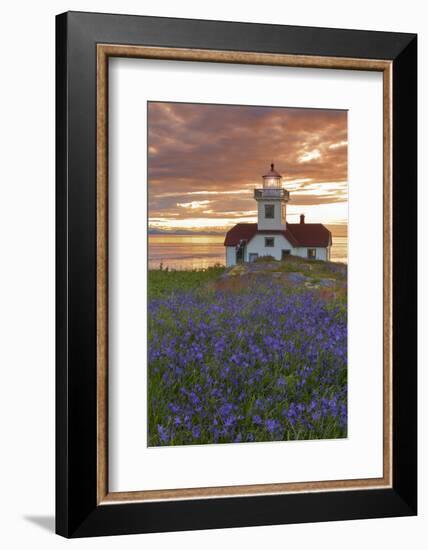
[(201, 251)]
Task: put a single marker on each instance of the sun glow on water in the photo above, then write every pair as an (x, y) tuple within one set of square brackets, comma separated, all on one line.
[(202, 251)]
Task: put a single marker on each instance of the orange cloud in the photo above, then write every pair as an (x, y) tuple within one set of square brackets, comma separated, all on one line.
[(214, 155)]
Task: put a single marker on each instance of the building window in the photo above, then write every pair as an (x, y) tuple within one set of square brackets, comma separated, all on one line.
[(312, 253), (269, 242), (252, 257), (285, 253), (269, 211)]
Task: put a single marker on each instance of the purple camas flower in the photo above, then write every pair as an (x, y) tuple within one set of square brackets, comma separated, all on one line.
[(196, 432), (281, 382), (260, 364), (271, 425), (226, 409), (230, 420), (163, 434), (173, 408), (257, 420)]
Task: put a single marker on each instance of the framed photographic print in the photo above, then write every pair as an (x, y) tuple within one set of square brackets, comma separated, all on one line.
[(236, 274)]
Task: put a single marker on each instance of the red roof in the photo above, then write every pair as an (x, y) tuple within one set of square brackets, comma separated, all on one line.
[(239, 232), (310, 234), (297, 234)]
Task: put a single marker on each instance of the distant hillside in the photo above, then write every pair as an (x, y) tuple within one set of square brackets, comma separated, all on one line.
[(155, 231), (336, 230)]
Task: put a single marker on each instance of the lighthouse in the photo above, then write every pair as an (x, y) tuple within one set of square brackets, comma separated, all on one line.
[(272, 201), (273, 235)]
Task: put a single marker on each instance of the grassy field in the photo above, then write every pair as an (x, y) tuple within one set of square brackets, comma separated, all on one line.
[(163, 282), (253, 353)]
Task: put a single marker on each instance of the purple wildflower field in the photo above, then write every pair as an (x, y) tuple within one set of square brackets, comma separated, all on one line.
[(267, 362)]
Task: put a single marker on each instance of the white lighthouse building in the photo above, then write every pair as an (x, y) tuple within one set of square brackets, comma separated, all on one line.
[(272, 235)]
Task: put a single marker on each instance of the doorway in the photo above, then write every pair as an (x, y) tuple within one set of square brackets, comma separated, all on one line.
[(240, 254)]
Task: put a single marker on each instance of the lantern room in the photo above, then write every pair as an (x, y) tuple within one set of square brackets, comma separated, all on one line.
[(272, 180)]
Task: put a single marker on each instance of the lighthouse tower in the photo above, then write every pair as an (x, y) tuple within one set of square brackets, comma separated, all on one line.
[(271, 202)]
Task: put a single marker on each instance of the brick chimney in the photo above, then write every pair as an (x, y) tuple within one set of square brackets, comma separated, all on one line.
[(302, 218)]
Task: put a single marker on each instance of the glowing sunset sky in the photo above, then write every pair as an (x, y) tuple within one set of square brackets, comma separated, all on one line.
[(205, 160)]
